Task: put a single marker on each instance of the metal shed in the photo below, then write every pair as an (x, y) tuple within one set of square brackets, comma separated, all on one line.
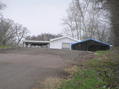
[(90, 45), (63, 42)]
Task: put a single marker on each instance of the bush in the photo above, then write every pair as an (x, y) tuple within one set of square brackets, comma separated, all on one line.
[(107, 66)]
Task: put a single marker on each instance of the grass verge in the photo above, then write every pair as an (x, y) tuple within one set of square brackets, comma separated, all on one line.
[(99, 73), (85, 79), (4, 47), (49, 83)]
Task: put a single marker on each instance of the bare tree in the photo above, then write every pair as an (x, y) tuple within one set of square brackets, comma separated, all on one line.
[(6, 31), (11, 33), (74, 20), (2, 6), (43, 37), (85, 19), (20, 33), (113, 7)]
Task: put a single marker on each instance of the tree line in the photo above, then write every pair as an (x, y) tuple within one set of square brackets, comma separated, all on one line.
[(43, 37), (11, 33), (96, 19)]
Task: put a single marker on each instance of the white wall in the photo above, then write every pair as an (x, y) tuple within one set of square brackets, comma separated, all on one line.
[(57, 44)]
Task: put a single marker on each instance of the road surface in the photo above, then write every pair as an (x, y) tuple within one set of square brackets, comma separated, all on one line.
[(22, 68)]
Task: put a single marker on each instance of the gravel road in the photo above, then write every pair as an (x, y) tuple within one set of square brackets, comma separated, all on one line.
[(22, 68)]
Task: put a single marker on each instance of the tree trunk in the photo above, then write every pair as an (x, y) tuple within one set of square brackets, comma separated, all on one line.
[(114, 9)]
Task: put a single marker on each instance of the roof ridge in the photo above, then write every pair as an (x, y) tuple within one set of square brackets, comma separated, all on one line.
[(63, 37)]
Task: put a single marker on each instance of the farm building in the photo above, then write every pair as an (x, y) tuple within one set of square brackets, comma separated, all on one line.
[(30, 43), (90, 45), (62, 42)]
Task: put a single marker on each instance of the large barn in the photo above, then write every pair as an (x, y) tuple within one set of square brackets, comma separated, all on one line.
[(62, 42), (90, 45)]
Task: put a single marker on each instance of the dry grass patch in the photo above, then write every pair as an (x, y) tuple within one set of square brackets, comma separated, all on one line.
[(71, 69), (50, 83), (55, 82)]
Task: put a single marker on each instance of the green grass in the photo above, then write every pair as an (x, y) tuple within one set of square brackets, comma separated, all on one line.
[(101, 53), (84, 79), (4, 47), (99, 73)]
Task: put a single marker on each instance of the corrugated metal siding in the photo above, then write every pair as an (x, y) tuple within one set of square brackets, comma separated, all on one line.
[(57, 44)]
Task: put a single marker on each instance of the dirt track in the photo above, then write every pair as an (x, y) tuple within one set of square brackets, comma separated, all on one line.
[(22, 68)]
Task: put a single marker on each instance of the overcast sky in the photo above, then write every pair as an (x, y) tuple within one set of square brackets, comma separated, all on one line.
[(39, 16)]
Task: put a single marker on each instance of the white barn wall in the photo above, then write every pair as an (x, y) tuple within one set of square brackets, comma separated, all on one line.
[(57, 44)]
